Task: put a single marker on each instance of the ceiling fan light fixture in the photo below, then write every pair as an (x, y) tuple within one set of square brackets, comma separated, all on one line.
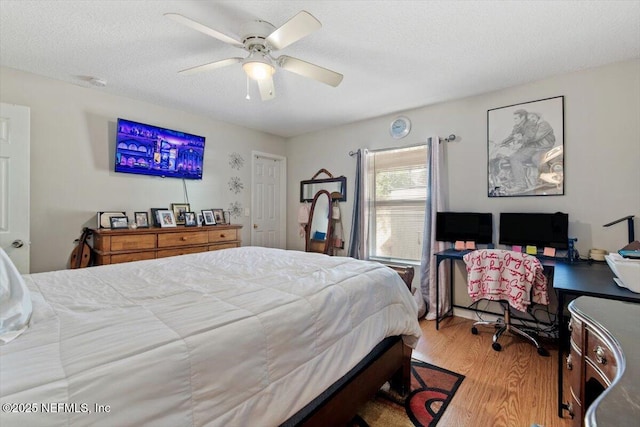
[(258, 68)]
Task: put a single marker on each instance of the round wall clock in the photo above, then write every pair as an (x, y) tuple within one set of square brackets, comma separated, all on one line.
[(400, 127)]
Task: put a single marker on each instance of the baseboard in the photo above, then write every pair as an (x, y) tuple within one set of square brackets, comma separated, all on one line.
[(473, 315)]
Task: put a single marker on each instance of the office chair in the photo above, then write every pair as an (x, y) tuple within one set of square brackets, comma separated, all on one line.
[(514, 280)]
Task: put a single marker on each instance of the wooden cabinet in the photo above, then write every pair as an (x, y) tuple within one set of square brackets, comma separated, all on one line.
[(406, 272), (117, 246), (592, 363)]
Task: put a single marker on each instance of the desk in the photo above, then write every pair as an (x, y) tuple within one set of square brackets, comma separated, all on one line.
[(452, 255), (569, 279)]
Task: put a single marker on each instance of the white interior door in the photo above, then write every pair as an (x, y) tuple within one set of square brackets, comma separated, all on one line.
[(14, 183), (268, 201)]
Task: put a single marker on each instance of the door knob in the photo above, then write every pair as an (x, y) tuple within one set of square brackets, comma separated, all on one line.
[(17, 243), (255, 225)]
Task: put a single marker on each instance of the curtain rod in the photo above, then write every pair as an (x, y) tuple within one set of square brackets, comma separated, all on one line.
[(450, 138)]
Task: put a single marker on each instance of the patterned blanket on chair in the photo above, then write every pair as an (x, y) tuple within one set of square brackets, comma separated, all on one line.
[(497, 274)]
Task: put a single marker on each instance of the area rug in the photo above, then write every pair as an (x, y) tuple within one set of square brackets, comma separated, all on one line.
[(432, 388)]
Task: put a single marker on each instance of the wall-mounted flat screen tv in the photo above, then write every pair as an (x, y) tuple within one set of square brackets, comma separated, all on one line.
[(150, 150), (464, 226), (536, 229)]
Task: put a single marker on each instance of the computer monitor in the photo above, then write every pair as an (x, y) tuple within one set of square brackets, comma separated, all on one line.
[(464, 226), (536, 229)]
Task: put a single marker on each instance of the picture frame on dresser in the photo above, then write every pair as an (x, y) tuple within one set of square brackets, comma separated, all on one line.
[(155, 219), (104, 218), (141, 219), (119, 222), (179, 209), (190, 219), (208, 218), (167, 218), (219, 216)]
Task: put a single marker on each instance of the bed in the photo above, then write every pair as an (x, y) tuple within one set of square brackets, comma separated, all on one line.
[(236, 337)]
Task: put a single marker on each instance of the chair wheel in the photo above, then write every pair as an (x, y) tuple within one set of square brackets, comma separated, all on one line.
[(543, 352), (496, 346), (474, 330)]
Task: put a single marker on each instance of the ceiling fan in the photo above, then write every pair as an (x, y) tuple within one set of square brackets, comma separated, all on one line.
[(260, 38)]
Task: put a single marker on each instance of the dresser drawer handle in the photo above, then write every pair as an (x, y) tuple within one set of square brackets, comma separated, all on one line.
[(184, 238), (569, 362), (570, 409), (600, 355), (222, 236)]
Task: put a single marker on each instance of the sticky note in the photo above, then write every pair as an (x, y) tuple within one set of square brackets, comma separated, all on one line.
[(532, 250), (459, 245), (549, 252), (516, 248), (470, 245)]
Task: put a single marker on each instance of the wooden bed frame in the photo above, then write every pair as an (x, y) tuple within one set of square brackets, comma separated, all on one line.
[(390, 361)]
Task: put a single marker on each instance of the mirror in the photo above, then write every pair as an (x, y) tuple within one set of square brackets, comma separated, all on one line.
[(319, 228), (337, 187)]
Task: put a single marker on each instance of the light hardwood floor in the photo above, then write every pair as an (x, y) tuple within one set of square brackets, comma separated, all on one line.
[(515, 387)]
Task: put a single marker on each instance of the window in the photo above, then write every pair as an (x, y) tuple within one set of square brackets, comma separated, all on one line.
[(396, 189)]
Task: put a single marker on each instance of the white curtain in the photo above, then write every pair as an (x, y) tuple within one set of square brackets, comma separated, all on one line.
[(435, 203)]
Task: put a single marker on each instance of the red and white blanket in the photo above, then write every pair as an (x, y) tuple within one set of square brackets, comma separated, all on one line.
[(497, 274)]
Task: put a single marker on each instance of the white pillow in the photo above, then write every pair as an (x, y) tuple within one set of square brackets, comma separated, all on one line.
[(15, 301)]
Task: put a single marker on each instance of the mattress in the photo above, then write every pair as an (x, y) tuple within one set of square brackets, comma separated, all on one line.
[(236, 337)]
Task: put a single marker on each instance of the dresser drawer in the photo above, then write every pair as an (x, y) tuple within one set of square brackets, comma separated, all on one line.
[(575, 329), (599, 354), (223, 246), (117, 246), (132, 242), (222, 235), (575, 410), (133, 256), (180, 251), (574, 366), (182, 239)]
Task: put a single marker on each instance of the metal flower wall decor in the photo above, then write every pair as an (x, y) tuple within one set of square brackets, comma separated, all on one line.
[(236, 161), (235, 209), (235, 184)]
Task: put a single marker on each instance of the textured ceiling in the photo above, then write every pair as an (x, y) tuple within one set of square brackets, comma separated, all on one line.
[(395, 55)]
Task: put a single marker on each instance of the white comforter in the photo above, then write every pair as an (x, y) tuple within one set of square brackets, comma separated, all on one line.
[(236, 337)]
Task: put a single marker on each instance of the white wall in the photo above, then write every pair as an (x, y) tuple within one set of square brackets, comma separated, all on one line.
[(72, 155), (602, 153), (73, 129)]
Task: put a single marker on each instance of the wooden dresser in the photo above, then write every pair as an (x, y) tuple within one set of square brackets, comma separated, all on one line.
[(116, 246), (604, 362)]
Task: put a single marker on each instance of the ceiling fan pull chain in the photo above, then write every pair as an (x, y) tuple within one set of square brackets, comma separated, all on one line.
[(247, 97)]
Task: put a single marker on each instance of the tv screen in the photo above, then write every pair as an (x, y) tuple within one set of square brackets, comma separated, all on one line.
[(150, 150), (537, 229), (464, 226)]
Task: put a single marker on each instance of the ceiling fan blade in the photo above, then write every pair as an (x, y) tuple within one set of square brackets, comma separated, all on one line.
[(310, 70), (267, 90), (204, 29), (293, 30), (210, 66)]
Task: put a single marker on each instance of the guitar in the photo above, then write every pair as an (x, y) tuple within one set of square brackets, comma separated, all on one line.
[(81, 254)]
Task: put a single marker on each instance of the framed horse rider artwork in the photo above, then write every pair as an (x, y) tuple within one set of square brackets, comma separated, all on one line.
[(525, 144)]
